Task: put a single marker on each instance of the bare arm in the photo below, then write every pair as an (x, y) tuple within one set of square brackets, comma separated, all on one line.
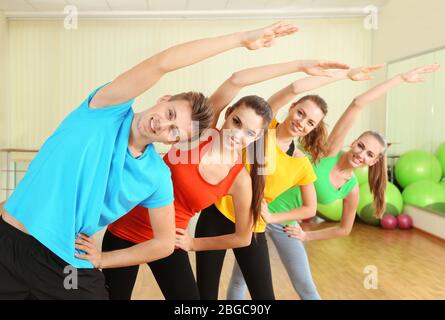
[(344, 124), (306, 211), (342, 230), (241, 192), (162, 245), (230, 88), (287, 94), (145, 75), (284, 96), (1, 207)]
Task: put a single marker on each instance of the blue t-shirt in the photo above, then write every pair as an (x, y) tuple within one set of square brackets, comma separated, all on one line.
[(84, 178)]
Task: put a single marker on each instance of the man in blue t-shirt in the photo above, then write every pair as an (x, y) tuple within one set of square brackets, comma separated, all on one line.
[(98, 165)]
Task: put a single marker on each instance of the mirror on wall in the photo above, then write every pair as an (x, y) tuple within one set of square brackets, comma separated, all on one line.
[(415, 124)]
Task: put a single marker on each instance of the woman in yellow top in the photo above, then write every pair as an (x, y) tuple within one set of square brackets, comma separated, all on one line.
[(220, 219), (283, 171)]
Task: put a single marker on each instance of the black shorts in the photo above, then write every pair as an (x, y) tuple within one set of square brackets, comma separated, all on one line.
[(29, 270)]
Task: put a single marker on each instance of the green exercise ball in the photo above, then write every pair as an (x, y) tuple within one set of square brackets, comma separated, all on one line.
[(365, 209), (440, 155), (417, 165), (332, 211), (362, 175), (424, 193), (442, 183)]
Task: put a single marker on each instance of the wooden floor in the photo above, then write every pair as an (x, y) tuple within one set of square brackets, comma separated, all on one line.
[(410, 265)]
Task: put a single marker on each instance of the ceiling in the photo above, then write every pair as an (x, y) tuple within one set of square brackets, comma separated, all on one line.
[(188, 8)]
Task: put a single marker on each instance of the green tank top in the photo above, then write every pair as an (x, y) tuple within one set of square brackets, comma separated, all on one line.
[(326, 192)]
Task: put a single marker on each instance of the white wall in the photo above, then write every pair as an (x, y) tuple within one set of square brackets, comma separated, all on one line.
[(3, 97), (53, 69), (406, 27)]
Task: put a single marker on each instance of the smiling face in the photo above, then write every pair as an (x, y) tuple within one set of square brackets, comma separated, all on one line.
[(303, 117), (242, 127), (365, 151), (167, 122)]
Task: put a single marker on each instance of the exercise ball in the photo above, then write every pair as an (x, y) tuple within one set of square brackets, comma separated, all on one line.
[(442, 184), (417, 165), (365, 209), (394, 200), (405, 221), (361, 175), (440, 154), (423, 193), (332, 211), (388, 222)]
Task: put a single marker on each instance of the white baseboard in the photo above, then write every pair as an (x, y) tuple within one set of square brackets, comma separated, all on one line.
[(427, 221)]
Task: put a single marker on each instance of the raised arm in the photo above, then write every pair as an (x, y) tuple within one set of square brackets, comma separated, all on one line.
[(240, 79), (143, 76), (287, 94), (348, 118)]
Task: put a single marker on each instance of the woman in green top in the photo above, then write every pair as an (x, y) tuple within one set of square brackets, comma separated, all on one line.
[(335, 180)]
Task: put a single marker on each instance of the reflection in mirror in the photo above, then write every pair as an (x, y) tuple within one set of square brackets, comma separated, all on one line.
[(415, 124)]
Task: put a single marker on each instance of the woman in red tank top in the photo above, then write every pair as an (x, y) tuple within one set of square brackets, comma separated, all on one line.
[(200, 176)]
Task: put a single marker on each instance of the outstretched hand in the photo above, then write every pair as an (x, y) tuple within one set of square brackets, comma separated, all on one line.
[(320, 67), (364, 73), (414, 76), (265, 37)]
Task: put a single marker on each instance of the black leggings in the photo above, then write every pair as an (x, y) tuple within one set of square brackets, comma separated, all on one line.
[(174, 274), (253, 259)]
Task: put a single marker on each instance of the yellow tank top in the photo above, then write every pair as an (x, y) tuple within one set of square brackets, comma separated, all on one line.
[(282, 172)]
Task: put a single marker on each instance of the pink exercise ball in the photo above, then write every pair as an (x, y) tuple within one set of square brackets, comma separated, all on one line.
[(405, 221), (388, 222)]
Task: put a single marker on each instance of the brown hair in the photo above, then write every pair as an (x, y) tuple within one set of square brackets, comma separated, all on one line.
[(378, 177), (257, 151), (202, 112), (315, 142)]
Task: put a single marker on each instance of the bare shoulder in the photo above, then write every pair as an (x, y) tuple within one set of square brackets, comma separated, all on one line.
[(353, 193), (242, 183)]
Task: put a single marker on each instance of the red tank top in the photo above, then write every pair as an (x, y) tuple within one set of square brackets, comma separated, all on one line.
[(192, 194)]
